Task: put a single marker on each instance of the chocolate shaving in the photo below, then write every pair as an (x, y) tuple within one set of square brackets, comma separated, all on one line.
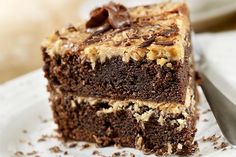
[(165, 43), (109, 16), (63, 38), (148, 42), (93, 40), (120, 30), (172, 31)]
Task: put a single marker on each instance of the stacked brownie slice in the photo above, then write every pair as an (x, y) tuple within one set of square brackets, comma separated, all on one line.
[(125, 77)]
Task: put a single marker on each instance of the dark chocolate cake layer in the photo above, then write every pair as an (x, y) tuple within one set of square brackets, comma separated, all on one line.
[(143, 80), (158, 130)]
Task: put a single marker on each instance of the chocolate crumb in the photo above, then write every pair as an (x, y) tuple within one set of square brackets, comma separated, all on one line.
[(72, 145), (55, 149), (32, 153), (65, 153), (44, 138), (84, 146), (42, 119), (205, 120), (215, 143), (30, 144), (148, 42), (25, 131), (222, 146), (19, 153), (122, 154), (96, 152), (208, 110), (116, 154), (41, 139), (212, 138), (132, 155)]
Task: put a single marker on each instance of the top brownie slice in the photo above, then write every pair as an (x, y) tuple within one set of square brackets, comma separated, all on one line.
[(139, 53)]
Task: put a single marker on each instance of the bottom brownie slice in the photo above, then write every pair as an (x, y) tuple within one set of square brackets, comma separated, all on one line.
[(161, 128)]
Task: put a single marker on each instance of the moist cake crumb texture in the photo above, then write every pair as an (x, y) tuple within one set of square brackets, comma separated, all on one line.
[(125, 77)]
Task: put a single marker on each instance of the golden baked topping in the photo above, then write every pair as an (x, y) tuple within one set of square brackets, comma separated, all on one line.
[(149, 32)]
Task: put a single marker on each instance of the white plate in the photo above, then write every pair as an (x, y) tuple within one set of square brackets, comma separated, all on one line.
[(24, 103)]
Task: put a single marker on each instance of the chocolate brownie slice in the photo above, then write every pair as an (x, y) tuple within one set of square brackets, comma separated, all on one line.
[(125, 77)]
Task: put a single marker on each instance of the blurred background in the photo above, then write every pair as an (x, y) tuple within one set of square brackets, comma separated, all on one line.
[(24, 24)]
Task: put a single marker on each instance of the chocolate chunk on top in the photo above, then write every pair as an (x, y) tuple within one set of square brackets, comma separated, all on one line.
[(109, 16), (148, 42)]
